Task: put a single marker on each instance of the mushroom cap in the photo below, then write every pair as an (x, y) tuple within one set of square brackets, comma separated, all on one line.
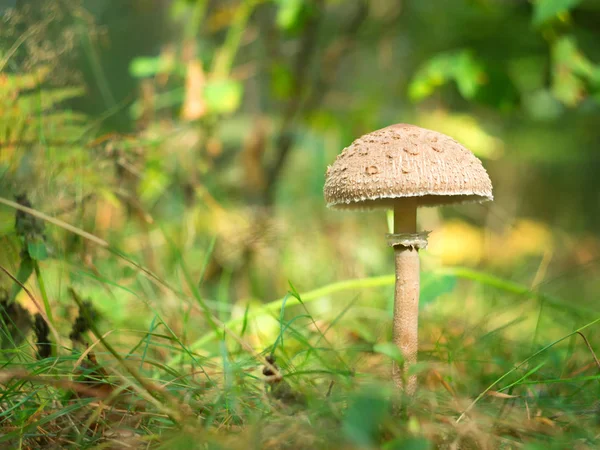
[(380, 168)]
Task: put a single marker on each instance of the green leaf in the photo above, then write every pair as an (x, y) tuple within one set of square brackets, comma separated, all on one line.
[(37, 250), (566, 53), (143, 67), (545, 10), (390, 350), (467, 74), (223, 96), (289, 14), (572, 71), (460, 66)]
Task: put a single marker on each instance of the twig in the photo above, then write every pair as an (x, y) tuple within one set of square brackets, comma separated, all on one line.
[(79, 388), (285, 139), (24, 143), (302, 64), (329, 389), (26, 35), (57, 222), (590, 348), (335, 53)]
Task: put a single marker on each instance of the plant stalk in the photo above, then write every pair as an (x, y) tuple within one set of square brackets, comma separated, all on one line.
[(406, 298)]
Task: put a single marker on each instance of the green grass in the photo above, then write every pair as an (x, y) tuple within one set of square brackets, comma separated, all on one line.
[(154, 388)]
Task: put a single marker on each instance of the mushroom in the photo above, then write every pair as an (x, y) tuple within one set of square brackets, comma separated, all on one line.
[(403, 167)]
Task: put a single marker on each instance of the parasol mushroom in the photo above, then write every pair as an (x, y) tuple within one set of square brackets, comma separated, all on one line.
[(403, 167)]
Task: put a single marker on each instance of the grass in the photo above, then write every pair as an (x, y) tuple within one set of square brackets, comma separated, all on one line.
[(328, 384)]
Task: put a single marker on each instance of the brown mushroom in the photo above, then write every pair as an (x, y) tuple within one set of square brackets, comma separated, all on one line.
[(403, 167)]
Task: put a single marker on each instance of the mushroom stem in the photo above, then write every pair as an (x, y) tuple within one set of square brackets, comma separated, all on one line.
[(406, 299)]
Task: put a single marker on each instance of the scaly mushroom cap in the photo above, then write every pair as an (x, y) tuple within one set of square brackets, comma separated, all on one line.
[(404, 160)]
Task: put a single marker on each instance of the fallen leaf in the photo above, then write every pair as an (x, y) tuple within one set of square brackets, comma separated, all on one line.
[(194, 106), (501, 395)]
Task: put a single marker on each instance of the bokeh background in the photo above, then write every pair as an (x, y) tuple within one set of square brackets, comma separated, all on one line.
[(193, 137)]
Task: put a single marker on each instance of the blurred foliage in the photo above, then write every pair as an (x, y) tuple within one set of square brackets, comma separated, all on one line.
[(190, 138), (460, 67), (547, 10), (29, 111)]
